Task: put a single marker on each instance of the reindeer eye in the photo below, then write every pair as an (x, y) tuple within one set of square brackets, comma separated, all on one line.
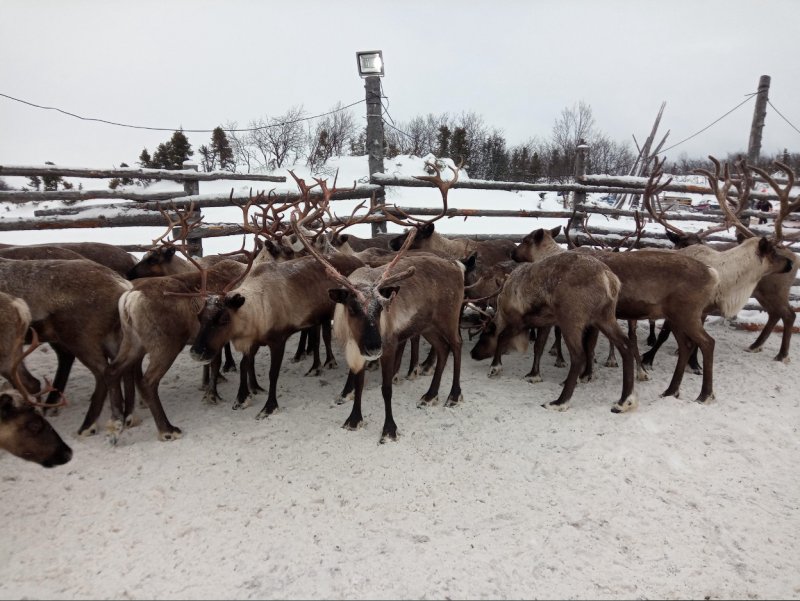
[(34, 426)]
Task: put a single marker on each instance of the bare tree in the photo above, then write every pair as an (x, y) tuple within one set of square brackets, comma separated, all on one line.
[(285, 135), (331, 135), (242, 151)]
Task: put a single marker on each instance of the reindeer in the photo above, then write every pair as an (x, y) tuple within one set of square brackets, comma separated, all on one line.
[(72, 304), (655, 285), (159, 317), (374, 316), (579, 294), (273, 302), (743, 267), (24, 432)]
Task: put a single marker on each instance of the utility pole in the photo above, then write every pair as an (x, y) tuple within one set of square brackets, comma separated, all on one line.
[(372, 85), (759, 115)]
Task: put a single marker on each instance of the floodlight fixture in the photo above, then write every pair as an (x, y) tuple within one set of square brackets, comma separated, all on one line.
[(370, 63)]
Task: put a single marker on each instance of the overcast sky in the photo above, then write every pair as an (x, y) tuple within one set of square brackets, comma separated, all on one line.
[(196, 65)]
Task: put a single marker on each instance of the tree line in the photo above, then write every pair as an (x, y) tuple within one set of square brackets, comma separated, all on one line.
[(269, 143)]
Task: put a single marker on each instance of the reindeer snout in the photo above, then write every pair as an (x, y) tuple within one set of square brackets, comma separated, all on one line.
[(202, 356), (60, 457)]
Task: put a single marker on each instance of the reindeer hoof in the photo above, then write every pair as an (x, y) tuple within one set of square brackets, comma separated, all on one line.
[(170, 435), (705, 399), (555, 407), (352, 424), (452, 401), (331, 364), (495, 371), (751, 349), (243, 404), (114, 429), (424, 401), (585, 378), (783, 359), (229, 368), (132, 420), (209, 398), (629, 404), (396, 380), (299, 357), (90, 431), (221, 378), (533, 378), (426, 370), (561, 363), (314, 371), (675, 393), (642, 376), (388, 436), (611, 363)]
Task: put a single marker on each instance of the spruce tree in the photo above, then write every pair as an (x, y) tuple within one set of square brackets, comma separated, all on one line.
[(459, 148), (35, 182), (179, 150), (51, 181), (221, 150), (145, 161), (443, 141)]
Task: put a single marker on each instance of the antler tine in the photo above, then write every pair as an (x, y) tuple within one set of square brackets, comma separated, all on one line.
[(16, 380), (721, 193), (594, 240), (386, 279), (783, 195), (570, 244), (444, 186), (651, 191), (251, 256), (332, 272)]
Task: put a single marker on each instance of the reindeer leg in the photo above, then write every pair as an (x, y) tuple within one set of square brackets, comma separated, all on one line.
[(455, 395), (560, 362), (65, 361), (772, 320), (354, 421), (706, 344), (693, 365), (349, 385), (160, 361), (389, 431), (398, 361), (428, 364), (330, 360), (441, 350), (413, 364), (276, 351), (301, 347), (243, 395), (663, 335), (533, 376), (211, 395), (684, 347), (651, 337), (251, 376), (574, 340), (786, 339), (628, 399), (313, 343), (230, 364), (589, 339)]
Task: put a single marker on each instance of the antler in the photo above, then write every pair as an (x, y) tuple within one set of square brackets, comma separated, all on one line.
[(721, 193), (19, 343), (783, 195), (443, 186)]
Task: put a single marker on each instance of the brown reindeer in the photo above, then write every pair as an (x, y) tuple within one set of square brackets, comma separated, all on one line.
[(24, 432), (655, 285), (574, 291), (15, 320), (742, 267), (72, 304), (159, 317), (273, 302)]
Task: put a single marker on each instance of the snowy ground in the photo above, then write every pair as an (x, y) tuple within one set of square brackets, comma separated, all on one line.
[(496, 498)]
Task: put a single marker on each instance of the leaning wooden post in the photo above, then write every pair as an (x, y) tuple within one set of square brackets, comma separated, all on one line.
[(759, 115), (372, 84), (192, 188)]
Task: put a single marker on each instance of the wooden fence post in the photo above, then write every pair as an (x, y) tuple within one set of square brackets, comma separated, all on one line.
[(759, 115), (579, 196), (372, 85), (192, 188)]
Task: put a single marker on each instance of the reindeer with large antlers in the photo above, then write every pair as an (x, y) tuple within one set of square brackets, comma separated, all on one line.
[(741, 268), (273, 302), (375, 316)]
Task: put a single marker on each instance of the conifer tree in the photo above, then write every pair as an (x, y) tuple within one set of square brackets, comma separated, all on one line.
[(145, 161), (51, 181), (179, 150), (221, 150), (443, 141), (459, 146)]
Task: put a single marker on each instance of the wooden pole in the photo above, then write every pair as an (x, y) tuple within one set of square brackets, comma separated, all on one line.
[(194, 246), (372, 85), (759, 116)]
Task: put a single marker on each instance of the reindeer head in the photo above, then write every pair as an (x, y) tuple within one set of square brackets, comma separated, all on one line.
[(155, 262), (216, 325), (28, 435), (537, 245)]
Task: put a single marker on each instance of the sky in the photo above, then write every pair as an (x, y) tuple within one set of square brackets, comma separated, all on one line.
[(518, 64)]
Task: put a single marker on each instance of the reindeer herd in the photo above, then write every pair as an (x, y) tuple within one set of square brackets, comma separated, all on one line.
[(97, 304)]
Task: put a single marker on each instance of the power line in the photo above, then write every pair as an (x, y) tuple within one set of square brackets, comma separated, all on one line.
[(782, 117), (196, 131), (749, 97)]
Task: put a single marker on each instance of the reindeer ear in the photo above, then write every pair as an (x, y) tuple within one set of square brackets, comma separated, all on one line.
[(339, 295), (470, 261), (271, 248), (387, 291), (555, 231), (740, 237), (343, 239), (169, 252), (763, 246), (538, 236), (235, 301), (673, 237), (426, 231), (397, 242), (6, 406)]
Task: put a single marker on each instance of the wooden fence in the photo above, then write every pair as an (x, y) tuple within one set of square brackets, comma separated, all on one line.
[(142, 208)]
